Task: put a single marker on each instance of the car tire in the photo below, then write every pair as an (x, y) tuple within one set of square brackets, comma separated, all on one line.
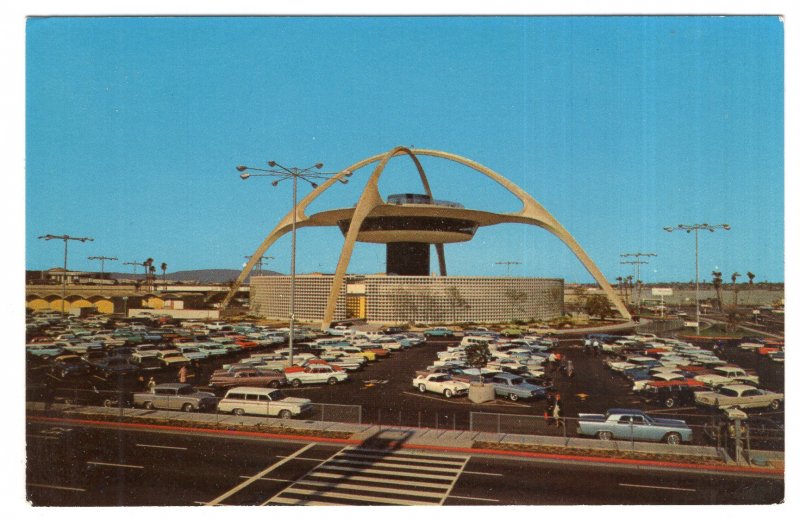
[(187, 408), (285, 414), (448, 394), (332, 381), (673, 438), (513, 397), (669, 403), (775, 405), (148, 405), (296, 382), (238, 412), (108, 403), (605, 435), (421, 388), (273, 384)]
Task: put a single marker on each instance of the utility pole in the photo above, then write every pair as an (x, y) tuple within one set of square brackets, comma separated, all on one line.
[(66, 238), (638, 262), (102, 263), (508, 264)]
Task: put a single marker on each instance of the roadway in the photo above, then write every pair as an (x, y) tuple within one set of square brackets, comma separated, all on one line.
[(71, 465)]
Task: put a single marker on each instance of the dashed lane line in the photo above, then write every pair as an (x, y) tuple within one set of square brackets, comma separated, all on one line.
[(658, 487), (56, 487), (161, 447), (483, 473), (122, 465), (475, 498), (258, 476)]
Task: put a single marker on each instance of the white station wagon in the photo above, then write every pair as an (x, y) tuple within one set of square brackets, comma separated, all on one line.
[(264, 402)]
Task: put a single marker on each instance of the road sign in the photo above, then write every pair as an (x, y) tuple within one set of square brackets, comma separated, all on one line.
[(662, 291)]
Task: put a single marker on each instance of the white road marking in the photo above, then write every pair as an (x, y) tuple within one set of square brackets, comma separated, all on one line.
[(114, 465), (658, 487), (258, 476), (377, 480), (453, 483), (56, 487), (392, 465), (388, 472), (161, 447), (270, 479), (356, 450), (42, 436), (453, 464), (383, 490), (356, 497), (304, 459), (483, 473), (475, 498)]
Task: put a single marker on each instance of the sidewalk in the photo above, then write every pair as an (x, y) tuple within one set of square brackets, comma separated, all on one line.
[(498, 443)]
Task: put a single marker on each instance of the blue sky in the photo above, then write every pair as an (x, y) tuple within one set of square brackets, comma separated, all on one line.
[(618, 126)]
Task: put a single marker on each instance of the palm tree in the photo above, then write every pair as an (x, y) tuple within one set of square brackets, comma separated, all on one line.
[(735, 290), (148, 269), (718, 286), (164, 274)]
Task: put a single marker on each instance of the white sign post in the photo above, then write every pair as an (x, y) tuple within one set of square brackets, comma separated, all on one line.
[(661, 292)]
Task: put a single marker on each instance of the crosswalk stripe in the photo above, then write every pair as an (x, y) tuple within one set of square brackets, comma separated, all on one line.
[(388, 472), (356, 497), (296, 501), (408, 452), (394, 465), (379, 490), (350, 477), (400, 458)]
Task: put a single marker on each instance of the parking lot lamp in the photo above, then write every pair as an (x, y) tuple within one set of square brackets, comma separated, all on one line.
[(102, 263), (638, 262), (279, 175), (697, 227), (66, 238)]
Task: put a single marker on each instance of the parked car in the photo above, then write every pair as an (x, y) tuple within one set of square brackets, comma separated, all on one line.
[(173, 359), (741, 396), (515, 387), (251, 377), (440, 383), (438, 332), (43, 351), (670, 393), (633, 424), (115, 365), (264, 402), (146, 362), (68, 365), (314, 374), (175, 396)]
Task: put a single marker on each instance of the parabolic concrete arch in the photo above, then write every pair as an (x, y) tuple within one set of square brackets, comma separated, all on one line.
[(371, 204)]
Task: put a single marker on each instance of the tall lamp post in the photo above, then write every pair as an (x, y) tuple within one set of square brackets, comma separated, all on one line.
[(66, 238), (638, 261), (260, 262), (279, 175), (102, 263), (697, 227)]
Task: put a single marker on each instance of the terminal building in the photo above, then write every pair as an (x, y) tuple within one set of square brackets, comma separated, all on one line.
[(393, 299), (410, 224)]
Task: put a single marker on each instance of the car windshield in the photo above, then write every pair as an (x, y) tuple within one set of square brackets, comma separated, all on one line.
[(516, 381)]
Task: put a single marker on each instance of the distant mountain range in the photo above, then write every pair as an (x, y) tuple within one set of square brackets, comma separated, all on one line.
[(197, 276)]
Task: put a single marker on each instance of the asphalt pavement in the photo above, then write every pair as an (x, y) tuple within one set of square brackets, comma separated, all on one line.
[(77, 465)]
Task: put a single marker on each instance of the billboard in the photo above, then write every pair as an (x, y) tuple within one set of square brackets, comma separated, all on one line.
[(662, 291)]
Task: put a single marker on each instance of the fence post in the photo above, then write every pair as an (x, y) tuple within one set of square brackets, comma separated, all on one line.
[(564, 429), (470, 421), (359, 415), (400, 418), (379, 419), (419, 419), (436, 427), (323, 412), (454, 421)]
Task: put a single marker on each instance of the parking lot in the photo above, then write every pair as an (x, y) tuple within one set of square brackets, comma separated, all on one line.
[(385, 395)]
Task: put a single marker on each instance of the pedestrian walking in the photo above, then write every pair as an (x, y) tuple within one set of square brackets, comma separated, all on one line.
[(151, 385), (570, 369), (49, 396), (557, 413), (182, 373), (587, 344), (596, 347)]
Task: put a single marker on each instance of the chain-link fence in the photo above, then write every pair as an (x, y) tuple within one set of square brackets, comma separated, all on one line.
[(335, 413), (502, 423)]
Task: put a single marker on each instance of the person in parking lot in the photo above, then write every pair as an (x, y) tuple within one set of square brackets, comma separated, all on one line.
[(151, 385), (557, 411), (570, 369), (182, 374)]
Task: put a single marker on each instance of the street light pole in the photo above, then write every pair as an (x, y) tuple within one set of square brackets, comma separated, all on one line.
[(260, 262), (638, 261), (696, 228), (66, 238), (102, 262), (280, 175)]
